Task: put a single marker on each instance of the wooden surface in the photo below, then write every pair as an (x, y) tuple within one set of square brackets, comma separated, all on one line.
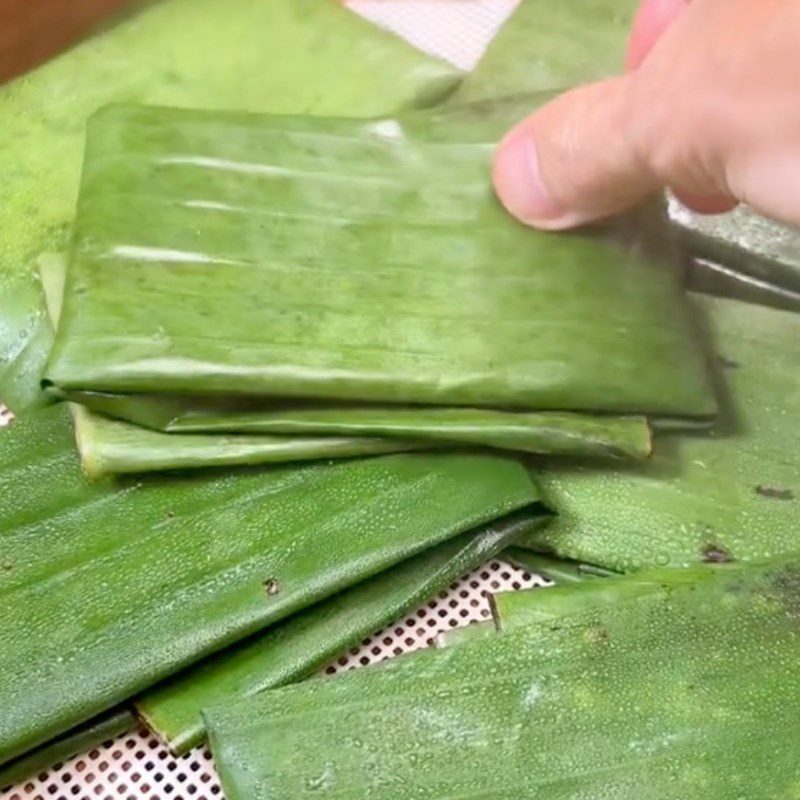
[(33, 30)]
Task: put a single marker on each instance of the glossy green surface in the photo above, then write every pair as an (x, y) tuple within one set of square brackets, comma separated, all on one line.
[(732, 494), (349, 260), (536, 432), (699, 584), (309, 640), (110, 447), (686, 690), (512, 610), (548, 45), (741, 254), (554, 569), (84, 737), (284, 56), (107, 588)]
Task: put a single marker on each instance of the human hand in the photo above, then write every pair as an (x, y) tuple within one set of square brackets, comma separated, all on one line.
[(709, 107)]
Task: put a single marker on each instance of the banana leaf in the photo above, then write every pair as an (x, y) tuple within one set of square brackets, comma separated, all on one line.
[(91, 734), (548, 45), (309, 425), (500, 112), (526, 608), (741, 255), (108, 446), (554, 569), (675, 690), (285, 56), (535, 609), (467, 633), (698, 586), (245, 254), (295, 649), (516, 609), (731, 495), (107, 588)]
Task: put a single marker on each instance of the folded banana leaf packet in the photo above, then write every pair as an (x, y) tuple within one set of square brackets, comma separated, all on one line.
[(110, 447), (229, 432), (203, 434), (117, 448), (281, 56), (337, 259)]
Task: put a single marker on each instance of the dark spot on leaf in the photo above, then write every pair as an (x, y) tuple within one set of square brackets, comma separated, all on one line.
[(714, 554), (6, 566), (272, 587), (598, 635), (787, 580), (170, 514), (774, 493), (729, 363), (785, 586)]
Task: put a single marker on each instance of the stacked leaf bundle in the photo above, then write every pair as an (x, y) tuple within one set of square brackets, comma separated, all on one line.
[(326, 287), (250, 288)]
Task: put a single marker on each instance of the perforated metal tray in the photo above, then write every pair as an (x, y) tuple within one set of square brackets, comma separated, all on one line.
[(136, 766)]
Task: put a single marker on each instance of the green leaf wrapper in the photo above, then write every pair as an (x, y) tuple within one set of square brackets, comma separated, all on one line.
[(352, 261), (284, 56), (107, 588), (731, 494), (547, 46), (303, 643), (671, 685)]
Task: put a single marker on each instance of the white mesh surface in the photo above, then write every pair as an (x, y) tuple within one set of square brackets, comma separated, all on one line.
[(457, 30), (136, 766)]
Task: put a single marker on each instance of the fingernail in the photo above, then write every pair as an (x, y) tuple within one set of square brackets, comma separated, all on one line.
[(519, 184)]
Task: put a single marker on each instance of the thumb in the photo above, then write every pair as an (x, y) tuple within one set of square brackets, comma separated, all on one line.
[(575, 160)]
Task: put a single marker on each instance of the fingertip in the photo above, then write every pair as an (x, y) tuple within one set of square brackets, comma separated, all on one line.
[(571, 163), (518, 181)]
